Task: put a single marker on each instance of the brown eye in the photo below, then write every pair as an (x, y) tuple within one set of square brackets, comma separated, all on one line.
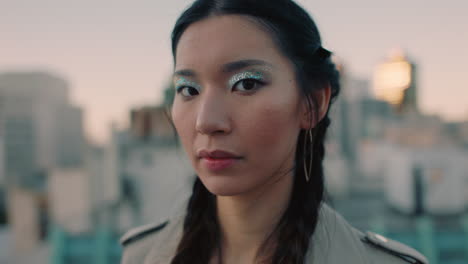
[(187, 91), (246, 85)]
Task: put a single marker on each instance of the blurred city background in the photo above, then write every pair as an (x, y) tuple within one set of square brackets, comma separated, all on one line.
[(87, 152)]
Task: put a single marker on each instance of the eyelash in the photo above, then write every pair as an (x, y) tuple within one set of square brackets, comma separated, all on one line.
[(180, 89), (258, 82)]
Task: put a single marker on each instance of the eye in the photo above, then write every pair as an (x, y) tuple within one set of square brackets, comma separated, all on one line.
[(247, 85), (187, 91)]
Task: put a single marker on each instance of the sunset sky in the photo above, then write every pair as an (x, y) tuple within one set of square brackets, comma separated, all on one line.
[(116, 54)]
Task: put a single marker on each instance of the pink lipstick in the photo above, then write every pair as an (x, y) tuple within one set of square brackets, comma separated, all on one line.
[(218, 160)]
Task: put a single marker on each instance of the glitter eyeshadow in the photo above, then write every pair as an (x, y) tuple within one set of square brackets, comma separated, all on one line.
[(256, 75), (182, 81)]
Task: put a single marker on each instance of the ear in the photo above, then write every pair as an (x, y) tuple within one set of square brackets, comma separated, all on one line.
[(321, 97)]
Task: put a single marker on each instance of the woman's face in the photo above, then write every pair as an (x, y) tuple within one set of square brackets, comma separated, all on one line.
[(237, 107)]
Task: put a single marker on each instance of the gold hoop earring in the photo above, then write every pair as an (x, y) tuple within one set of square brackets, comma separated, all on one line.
[(308, 171)]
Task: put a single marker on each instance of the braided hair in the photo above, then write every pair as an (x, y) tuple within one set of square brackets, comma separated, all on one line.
[(297, 37)]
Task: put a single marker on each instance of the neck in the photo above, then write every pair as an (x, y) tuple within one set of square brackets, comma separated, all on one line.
[(247, 220)]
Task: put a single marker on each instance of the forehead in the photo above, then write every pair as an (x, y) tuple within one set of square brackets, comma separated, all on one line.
[(222, 39)]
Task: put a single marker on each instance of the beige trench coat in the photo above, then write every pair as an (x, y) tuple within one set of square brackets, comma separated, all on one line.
[(334, 242)]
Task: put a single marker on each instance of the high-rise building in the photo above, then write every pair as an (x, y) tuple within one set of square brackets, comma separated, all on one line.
[(20, 144), (41, 129), (395, 82)]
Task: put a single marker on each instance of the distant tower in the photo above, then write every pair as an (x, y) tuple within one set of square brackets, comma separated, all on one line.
[(395, 82)]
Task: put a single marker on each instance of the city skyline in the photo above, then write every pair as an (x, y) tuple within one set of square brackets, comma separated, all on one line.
[(116, 54)]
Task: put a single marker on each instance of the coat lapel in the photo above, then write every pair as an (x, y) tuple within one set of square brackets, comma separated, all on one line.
[(163, 250)]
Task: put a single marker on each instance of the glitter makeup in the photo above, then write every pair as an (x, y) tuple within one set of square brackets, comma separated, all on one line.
[(256, 75), (181, 82)]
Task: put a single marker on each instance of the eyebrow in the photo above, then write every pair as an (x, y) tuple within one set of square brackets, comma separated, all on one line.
[(185, 72), (228, 67), (238, 65)]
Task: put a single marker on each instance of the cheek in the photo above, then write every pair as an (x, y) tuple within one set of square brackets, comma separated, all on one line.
[(183, 123), (271, 127)]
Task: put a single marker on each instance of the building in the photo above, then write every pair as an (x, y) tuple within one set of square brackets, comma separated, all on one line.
[(20, 147), (419, 131), (2, 155), (375, 115), (458, 132), (2, 185), (150, 164), (395, 81), (356, 117), (37, 118), (71, 141), (70, 196), (2, 164), (151, 122), (41, 131)]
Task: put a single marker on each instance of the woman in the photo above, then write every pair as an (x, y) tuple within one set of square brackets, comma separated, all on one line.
[(253, 91)]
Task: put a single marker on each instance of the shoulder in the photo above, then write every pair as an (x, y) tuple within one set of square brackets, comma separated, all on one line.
[(338, 242), (137, 242), (379, 247), (153, 243)]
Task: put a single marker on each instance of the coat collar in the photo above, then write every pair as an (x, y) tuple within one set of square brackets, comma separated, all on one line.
[(334, 241)]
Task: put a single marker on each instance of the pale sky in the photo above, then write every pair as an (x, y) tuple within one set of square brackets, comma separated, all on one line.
[(116, 54)]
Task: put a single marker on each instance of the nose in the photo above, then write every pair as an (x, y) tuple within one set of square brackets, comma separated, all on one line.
[(213, 116)]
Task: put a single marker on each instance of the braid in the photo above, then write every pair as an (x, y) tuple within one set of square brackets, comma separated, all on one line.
[(200, 225), (300, 219)]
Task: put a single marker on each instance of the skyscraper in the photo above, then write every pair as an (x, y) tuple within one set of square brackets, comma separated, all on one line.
[(395, 82), (39, 126)]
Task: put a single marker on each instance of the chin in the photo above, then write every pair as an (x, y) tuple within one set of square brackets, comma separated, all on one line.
[(223, 187)]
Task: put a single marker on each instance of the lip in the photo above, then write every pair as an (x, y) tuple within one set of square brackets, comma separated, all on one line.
[(217, 154), (218, 159)]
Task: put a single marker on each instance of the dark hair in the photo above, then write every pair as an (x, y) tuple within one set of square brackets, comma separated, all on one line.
[(298, 38)]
